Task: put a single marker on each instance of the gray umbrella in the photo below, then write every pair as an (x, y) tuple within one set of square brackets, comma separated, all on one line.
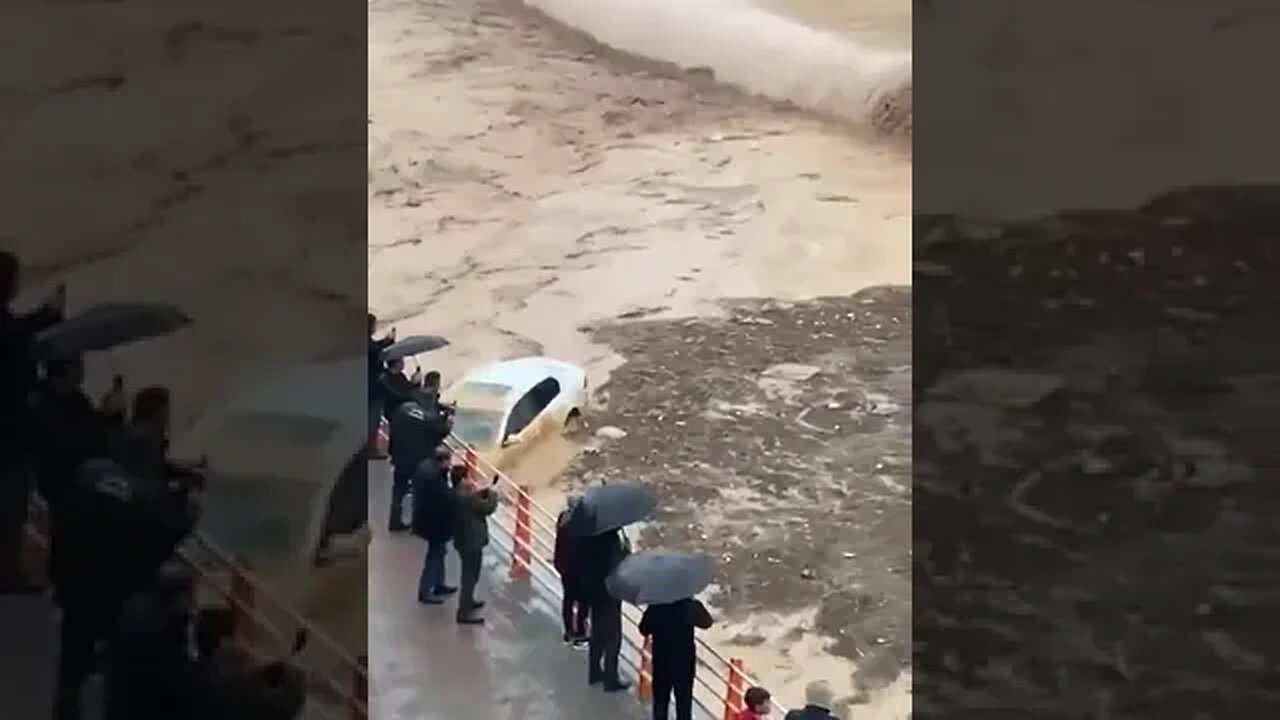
[(413, 345), (609, 507), (109, 325), (655, 578)]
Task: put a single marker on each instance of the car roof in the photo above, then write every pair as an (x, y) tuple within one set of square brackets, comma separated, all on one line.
[(520, 374)]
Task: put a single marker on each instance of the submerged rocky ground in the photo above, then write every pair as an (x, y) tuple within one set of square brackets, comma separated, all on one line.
[(778, 438)]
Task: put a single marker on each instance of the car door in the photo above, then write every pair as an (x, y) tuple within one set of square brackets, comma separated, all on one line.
[(523, 423)]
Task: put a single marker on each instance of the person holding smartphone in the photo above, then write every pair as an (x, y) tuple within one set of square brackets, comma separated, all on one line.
[(471, 536)]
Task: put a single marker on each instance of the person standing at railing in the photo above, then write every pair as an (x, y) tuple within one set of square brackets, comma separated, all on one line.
[(574, 608), (598, 555), (434, 513), (471, 536), (675, 653), (18, 379)]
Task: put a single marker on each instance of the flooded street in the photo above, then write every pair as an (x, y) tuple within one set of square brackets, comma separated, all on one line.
[(882, 24)]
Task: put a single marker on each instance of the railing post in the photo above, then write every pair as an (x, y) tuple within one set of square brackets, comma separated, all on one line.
[(241, 601), (381, 440), (469, 461), (360, 689), (734, 689), (522, 552), (644, 688)]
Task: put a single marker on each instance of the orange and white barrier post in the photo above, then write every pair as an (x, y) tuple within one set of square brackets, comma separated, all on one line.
[(360, 690), (734, 689), (381, 440), (241, 600), (522, 553), (472, 464), (644, 689)]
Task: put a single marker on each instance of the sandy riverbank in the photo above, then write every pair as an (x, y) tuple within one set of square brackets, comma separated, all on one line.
[(524, 184)]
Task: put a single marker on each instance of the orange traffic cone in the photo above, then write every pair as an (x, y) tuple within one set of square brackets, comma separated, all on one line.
[(381, 441)]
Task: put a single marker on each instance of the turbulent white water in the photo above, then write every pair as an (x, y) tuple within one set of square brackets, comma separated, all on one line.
[(760, 51)]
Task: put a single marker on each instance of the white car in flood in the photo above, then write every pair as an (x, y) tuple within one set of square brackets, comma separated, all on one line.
[(504, 407)]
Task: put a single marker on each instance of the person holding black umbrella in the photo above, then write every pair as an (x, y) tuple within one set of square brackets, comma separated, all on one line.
[(667, 582), (675, 654), (596, 523)]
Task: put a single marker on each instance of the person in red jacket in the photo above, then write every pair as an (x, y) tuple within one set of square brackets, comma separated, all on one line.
[(757, 702), (574, 609)]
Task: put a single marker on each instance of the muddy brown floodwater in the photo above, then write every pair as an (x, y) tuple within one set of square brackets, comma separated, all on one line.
[(779, 440)]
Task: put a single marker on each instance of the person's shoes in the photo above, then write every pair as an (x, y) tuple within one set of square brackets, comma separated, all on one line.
[(444, 591), (595, 678), (477, 604), (430, 599), (397, 527), (580, 641), (616, 685), (470, 620)]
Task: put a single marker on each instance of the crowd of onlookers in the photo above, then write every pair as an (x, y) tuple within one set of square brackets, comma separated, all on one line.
[(447, 507), (116, 510)]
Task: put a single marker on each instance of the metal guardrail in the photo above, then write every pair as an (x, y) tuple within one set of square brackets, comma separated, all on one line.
[(336, 690), (530, 529)]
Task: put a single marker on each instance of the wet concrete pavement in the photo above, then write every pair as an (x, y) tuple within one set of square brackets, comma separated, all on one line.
[(424, 666)]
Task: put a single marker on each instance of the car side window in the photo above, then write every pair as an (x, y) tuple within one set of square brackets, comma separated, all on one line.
[(531, 405)]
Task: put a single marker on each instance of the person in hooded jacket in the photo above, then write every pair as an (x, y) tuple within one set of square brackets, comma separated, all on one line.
[(68, 431), (818, 700), (434, 518), (675, 653), (575, 610), (416, 431)]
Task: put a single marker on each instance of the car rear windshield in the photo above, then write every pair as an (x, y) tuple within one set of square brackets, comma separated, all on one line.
[(478, 428)]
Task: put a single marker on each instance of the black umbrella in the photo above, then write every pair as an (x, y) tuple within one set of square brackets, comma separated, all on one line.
[(105, 326), (609, 507), (655, 578), (413, 345)]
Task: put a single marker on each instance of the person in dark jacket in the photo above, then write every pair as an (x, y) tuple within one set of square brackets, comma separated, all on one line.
[(574, 608), (818, 699), (675, 654), (68, 431), (416, 432), (120, 530), (149, 672), (433, 521), (18, 378), (597, 556), (470, 537)]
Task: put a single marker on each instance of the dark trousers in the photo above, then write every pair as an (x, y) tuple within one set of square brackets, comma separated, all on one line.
[(574, 611), (673, 678), (470, 560), (82, 630), (432, 577), (15, 502), (401, 482), (606, 640)]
